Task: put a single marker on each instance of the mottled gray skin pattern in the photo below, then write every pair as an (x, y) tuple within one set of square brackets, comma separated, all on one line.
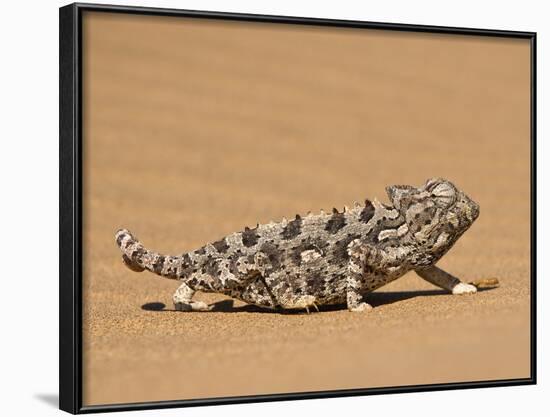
[(322, 258)]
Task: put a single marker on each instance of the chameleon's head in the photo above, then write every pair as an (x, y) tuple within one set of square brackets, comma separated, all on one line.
[(437, 213)]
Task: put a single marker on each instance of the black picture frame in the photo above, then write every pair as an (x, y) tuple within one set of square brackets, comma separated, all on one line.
[(70, 204)]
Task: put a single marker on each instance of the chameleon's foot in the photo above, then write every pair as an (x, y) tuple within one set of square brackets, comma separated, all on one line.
[(182, 300), (192, 306), (361, 307), (463, 288), (303, 301)]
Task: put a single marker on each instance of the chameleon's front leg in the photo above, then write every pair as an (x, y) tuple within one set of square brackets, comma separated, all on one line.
[(358, 258), (444, 280)]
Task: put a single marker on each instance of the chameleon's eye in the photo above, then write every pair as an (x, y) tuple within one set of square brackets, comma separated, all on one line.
[(445, 194)]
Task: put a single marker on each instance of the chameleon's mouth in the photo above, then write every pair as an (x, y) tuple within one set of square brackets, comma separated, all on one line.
[(475, 210), (471, 209)]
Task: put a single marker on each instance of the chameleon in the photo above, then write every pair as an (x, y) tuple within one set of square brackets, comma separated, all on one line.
[(324, 258)]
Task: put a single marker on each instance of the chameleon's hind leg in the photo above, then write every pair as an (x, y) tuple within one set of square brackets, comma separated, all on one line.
[(215, 276), (444, 280), (183, 300)]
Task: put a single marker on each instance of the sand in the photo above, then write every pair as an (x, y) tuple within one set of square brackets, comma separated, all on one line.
[(194, 129)]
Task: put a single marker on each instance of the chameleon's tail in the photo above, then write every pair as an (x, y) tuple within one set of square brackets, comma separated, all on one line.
[(136, 257)]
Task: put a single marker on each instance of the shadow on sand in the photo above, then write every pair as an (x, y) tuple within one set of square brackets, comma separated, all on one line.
[(375, 299)]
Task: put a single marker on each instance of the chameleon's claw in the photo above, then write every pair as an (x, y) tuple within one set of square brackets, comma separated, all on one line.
[(312, 304)]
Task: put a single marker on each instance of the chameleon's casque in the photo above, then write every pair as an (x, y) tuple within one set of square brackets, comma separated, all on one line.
[(322, 258)]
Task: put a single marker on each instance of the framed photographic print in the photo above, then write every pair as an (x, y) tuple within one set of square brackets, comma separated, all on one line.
[(201, 259)]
